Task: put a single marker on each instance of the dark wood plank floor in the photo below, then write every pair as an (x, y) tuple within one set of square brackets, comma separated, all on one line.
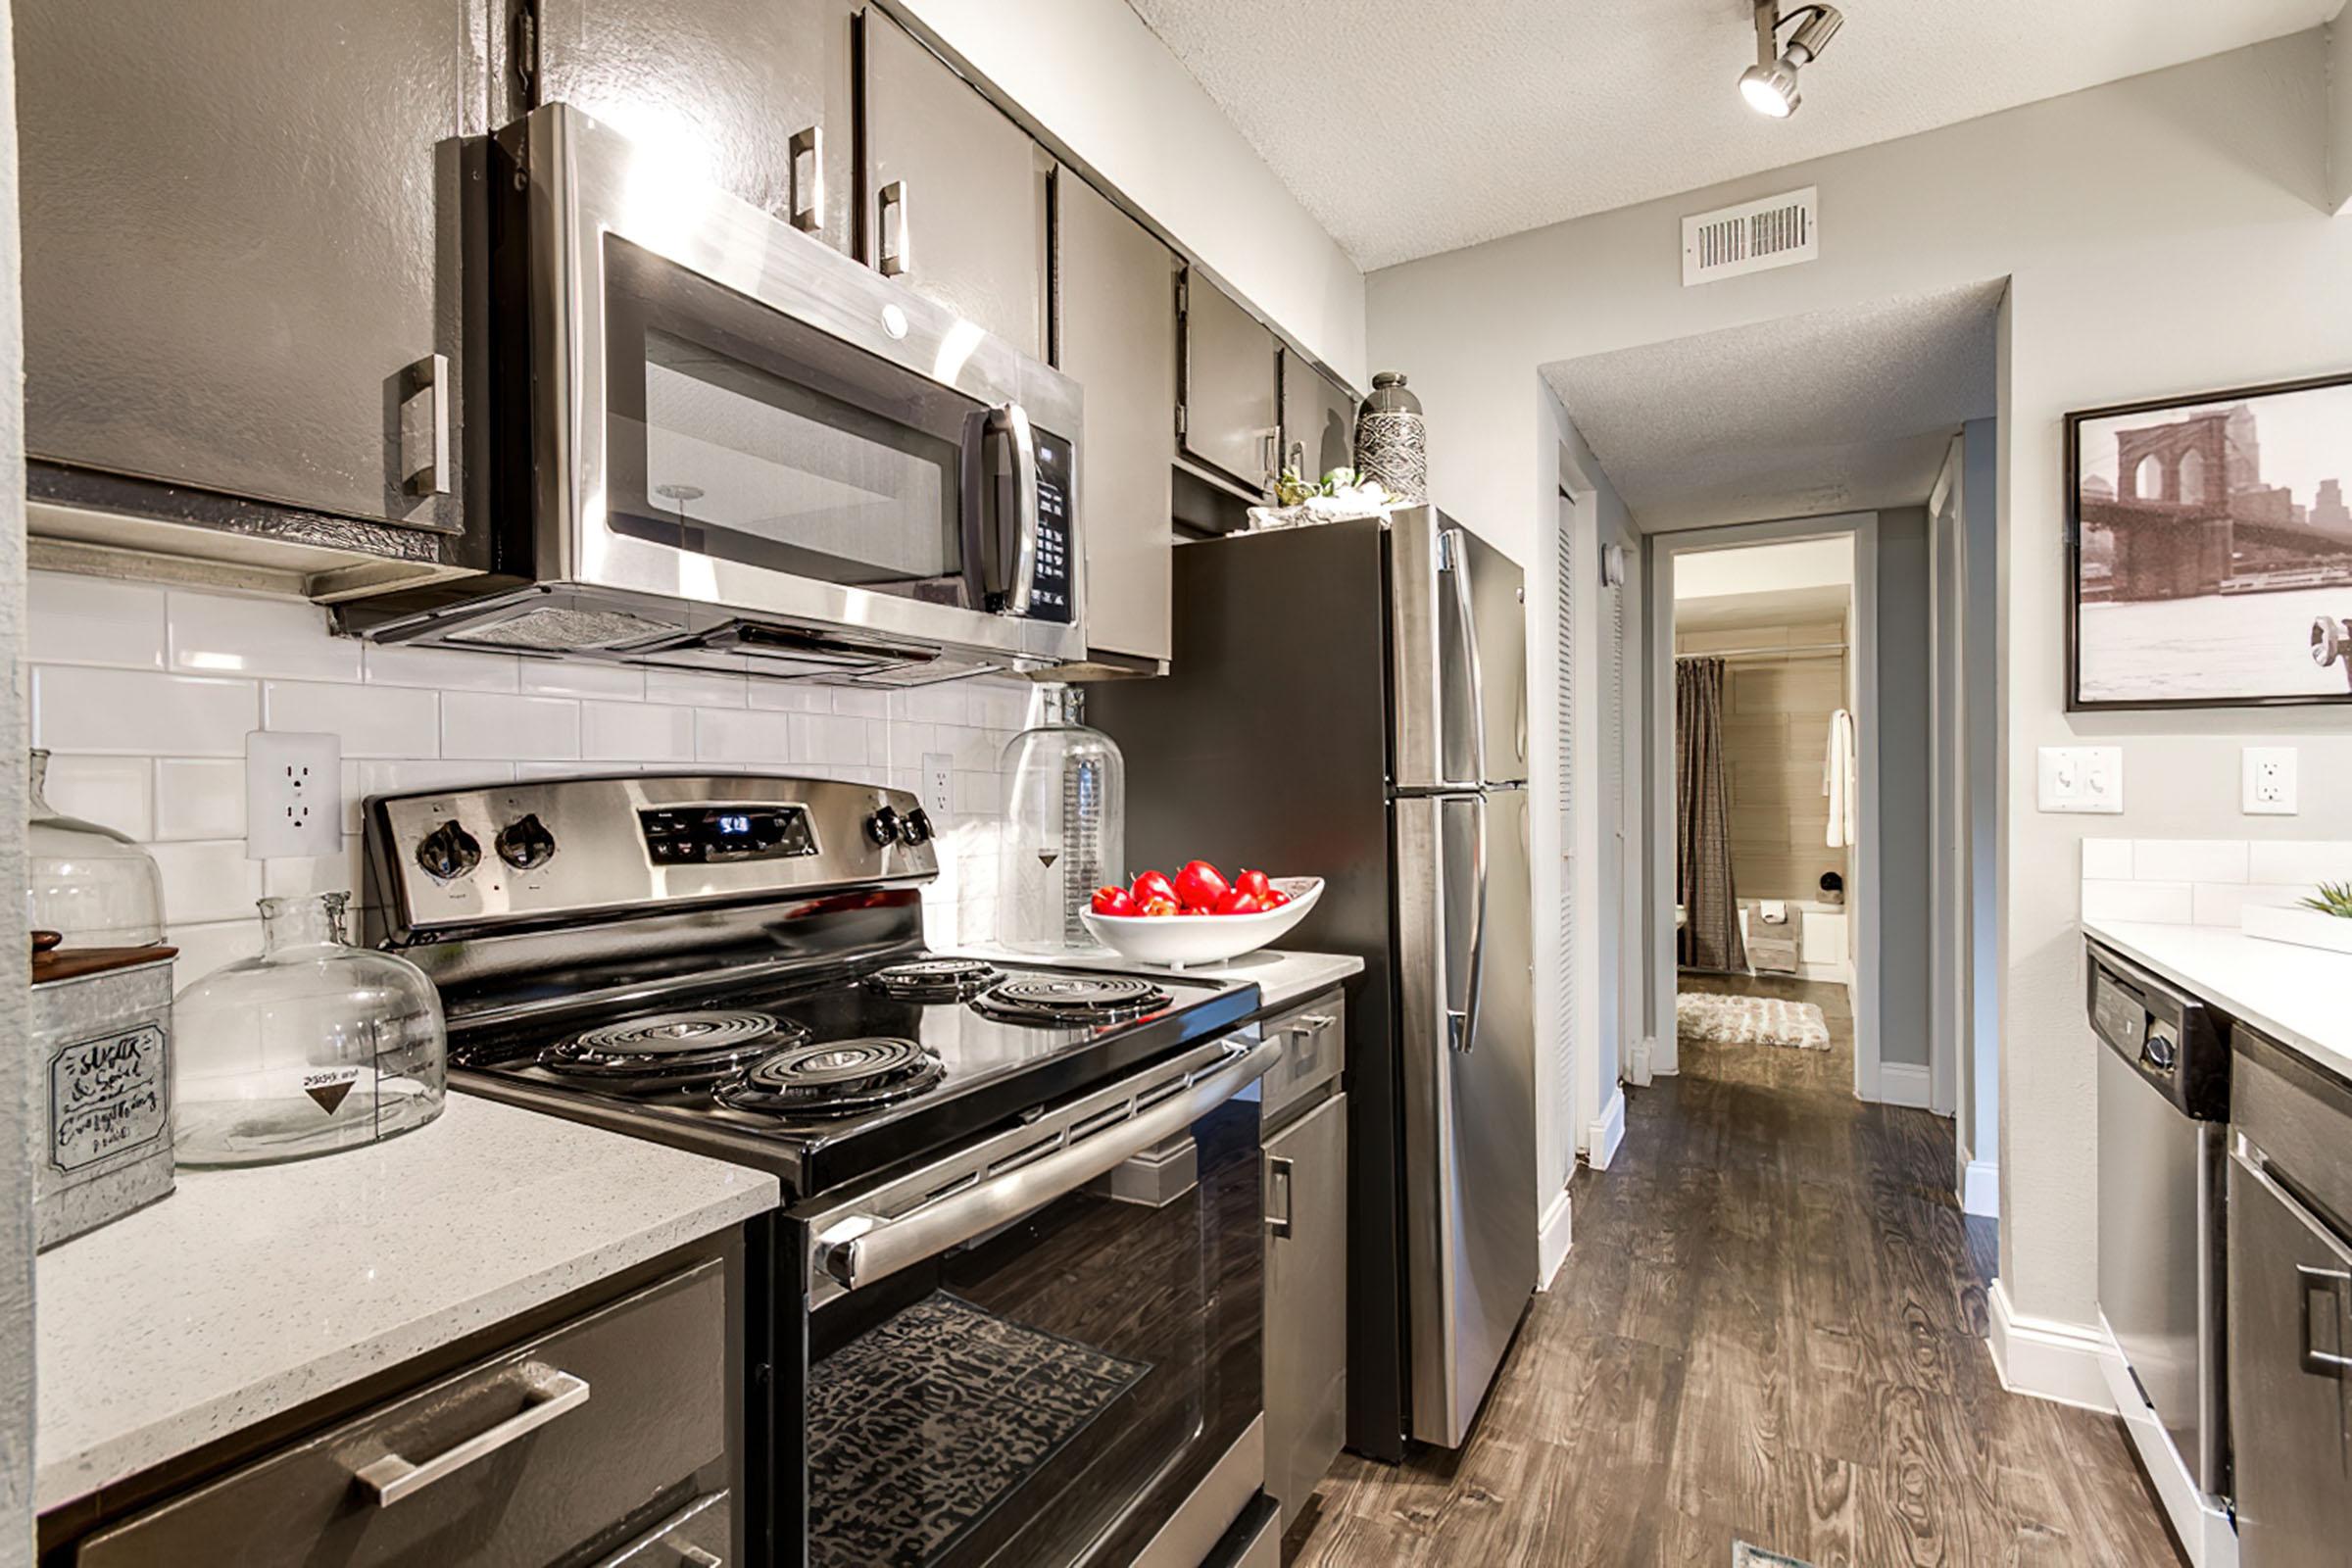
[(1770, 1327)]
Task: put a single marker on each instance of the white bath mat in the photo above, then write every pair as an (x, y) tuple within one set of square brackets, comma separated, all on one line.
[(1721, 1020)]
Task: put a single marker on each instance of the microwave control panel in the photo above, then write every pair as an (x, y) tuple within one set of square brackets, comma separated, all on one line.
[(1050, 599)]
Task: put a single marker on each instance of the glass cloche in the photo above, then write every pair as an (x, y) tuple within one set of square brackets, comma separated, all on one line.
[(93, 886), (310, 1048), (1065, 828)]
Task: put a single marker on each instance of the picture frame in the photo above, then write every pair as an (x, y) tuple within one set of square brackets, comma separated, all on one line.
[(2201, 552)]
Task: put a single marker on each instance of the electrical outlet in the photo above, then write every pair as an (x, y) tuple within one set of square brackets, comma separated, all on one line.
[(2080, 778), (293, 795), (2269, 780), (939, 786)]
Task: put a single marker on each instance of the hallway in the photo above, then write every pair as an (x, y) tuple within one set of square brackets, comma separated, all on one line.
[(1770, 1329)]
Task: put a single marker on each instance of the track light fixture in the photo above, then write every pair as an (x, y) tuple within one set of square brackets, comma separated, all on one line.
[(1770, 85)]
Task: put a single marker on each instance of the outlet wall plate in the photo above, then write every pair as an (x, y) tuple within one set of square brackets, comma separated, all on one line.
[(938, 787), (293, 795), (2269, 781), (2080, 778)]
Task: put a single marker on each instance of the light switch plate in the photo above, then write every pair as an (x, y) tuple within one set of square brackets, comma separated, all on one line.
[(2080, 778), (293, 795), (938, 786), (2269, 780)]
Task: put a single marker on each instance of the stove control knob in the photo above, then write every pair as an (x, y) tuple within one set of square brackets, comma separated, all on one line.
[(882, 828), (526, 844), (449, 851), (915, 827)]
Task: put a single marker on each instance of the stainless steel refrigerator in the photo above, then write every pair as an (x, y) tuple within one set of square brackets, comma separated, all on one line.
[(1350, 701)]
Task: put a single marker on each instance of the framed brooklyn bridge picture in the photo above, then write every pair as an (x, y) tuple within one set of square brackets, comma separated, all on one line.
[(2209, 547)]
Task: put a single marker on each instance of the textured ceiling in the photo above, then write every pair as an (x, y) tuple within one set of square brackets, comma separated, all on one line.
[(1409, 129), (1843, 411)]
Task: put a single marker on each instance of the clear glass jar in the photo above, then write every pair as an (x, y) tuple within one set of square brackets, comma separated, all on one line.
[(1066, 830), (314, 1047), (93, 886)]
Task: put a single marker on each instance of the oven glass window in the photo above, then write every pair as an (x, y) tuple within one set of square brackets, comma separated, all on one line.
[(1052, 1389), (741, 433)]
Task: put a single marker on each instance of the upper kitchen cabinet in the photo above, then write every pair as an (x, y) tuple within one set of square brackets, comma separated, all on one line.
[(1230, 415), (758, 95), (1318, 419), (241, 248), (954, 191), (1115, 334)]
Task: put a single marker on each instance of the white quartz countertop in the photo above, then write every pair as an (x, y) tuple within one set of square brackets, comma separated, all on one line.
[(2295, 995), (1281, 977), (247, 1292)]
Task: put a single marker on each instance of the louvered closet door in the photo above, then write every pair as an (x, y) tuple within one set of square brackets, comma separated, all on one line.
[(1613, 937), (1625, 637), (1563, 1056)]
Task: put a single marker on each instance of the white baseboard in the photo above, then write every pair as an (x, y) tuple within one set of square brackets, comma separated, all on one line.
[(1552, 1241), (1981, 1189), (1903, 1083), (2206, 1531), (1606, 1132), (2046, 1358)]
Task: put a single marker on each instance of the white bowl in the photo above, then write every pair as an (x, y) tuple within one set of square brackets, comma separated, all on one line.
[(1175, 941)]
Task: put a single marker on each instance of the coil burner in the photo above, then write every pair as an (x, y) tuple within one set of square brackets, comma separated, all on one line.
[(670, 1050), (1079, 1000), (833, 1078), (934, 979)]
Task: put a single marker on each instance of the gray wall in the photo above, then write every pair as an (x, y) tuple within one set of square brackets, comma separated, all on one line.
[(17, 1098), (1981, 520), (1906, 802)]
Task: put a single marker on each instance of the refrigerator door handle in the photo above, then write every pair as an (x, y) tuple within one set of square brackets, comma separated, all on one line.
[(1463, 1024), (1453, 559)]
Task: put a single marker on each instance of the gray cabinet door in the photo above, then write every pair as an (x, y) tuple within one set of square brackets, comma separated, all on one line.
[(954, 191), (1307, 1299), (1318, 419), (756, 92), (1115, 301), (240, 231), (1232, 412)]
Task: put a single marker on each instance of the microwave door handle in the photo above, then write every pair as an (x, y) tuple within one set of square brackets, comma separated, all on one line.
[(1000, 542), (861, 1248), (1023, 586)]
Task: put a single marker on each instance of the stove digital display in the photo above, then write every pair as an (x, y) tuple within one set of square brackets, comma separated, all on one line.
[(706, 835)]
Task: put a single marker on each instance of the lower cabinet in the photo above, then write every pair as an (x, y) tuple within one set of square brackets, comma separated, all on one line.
[(1306, 1302)]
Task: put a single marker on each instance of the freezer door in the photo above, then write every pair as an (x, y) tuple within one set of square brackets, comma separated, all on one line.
[(1459, 652), (1467, 1048)]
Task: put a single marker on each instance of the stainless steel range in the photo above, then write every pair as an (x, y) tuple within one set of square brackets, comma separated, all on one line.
[(974, 1343)]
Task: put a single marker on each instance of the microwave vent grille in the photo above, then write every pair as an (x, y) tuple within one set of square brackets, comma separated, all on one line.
[(558, 629)]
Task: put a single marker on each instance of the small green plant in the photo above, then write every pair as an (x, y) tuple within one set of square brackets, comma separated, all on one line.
[(1293, 488), (2334, 897)]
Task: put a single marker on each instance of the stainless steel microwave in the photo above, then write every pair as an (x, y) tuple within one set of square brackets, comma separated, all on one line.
[(707, 439)]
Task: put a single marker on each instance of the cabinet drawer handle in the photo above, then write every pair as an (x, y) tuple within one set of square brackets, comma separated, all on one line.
[(552, 1393), (895, 257), (1278, 1176), (809, 190), (2330, 1284)]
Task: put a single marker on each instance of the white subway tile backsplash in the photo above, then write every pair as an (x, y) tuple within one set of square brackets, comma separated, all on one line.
[(93, 620), (199, 798), (2300, 863), (207, 944), (2108, 859), (220, 634), (2189, 861), (693, 688), (773, 739), (791, 697), (649, 732), (371, 721), (111, 791), (861, 702), (2157, 903), (580, 677), (295, 876), (2221, 903), (407, 778), (75, 708), (208, 880), (448, 669), (829, 738), (1006, 705), (519, 728), (935, 705)]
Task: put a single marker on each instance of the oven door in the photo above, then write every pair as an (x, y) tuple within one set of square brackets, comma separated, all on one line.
[(727, 411), (1032, 1351)]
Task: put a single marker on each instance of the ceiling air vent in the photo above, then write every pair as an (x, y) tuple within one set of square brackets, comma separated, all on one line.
[(1775, 231)]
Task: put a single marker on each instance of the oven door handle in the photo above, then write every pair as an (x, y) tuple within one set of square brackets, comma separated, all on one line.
[(861, 1248)]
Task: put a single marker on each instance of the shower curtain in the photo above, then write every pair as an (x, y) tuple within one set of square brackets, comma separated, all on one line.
[(1709, 937)]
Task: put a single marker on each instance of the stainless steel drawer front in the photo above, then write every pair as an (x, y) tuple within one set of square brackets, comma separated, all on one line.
[(1314, 1052)]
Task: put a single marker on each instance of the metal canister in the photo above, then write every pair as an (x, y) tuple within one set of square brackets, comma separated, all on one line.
[(102, 1034)]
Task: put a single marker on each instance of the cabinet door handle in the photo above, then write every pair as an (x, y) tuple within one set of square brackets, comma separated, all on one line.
[(1278, 1178), (424, 426), (807, 148), (2328, 1284), (552, 1393), (896, 258), (1318, 1021)]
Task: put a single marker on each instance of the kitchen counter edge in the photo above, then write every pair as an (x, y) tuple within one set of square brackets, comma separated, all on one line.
[(2293, 995)]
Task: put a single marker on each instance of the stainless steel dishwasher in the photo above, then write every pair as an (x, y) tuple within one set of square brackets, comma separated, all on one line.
[(2164, 1100), (2290, 1307)]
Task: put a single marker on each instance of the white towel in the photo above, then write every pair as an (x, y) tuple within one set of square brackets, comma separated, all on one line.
[(1839, 782), (1773, 912)]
